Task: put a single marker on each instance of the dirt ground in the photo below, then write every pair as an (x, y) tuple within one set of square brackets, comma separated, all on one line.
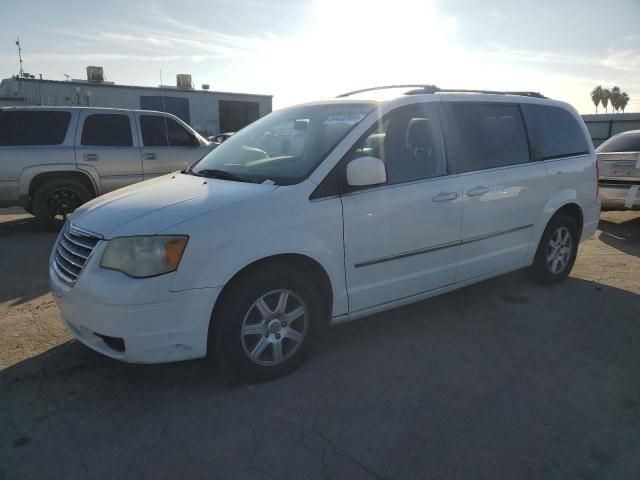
[(503, 379)]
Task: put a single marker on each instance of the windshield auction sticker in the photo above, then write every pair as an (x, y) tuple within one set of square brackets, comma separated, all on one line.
[(349, 118)]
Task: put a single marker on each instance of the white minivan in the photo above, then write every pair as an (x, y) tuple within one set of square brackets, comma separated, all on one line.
[(323, 213)]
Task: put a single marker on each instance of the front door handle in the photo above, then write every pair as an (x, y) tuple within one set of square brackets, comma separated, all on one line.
[(445, 197), (149, 156), (477, 191), (91, 157)]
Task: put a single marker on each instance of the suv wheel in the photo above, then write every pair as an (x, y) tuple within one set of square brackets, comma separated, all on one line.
[(56, 199), (557, 251), (267, 323)]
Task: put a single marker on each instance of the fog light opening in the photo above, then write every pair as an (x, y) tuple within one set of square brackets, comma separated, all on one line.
[(115, 343)]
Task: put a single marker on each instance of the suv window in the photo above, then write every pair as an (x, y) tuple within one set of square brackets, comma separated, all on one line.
[(628, 142), (157, 130), (107, 130), (480, 137), (553, 132), (18, 128), (409, 142)]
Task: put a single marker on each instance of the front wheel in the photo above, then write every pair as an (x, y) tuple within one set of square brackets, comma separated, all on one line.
[(267, 322), (557, 251)]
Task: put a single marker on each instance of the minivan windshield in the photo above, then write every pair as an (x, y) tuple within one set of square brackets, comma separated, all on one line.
[(285, 146)]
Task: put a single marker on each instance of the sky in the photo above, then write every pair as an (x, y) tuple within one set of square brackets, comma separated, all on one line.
[(305, 50)]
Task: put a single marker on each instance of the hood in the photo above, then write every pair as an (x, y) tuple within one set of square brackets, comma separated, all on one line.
[(149, 207)]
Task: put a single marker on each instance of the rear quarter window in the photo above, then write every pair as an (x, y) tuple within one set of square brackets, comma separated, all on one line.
[(22, 128), (480, 137), (553, 132)]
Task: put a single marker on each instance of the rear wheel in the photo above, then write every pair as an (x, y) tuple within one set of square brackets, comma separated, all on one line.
[(267, 322), (56, 199), (557, 251)]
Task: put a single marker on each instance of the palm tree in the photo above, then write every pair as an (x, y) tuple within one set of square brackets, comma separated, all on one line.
[(596, 96), (615, 98), (606, 96), (624, 99)]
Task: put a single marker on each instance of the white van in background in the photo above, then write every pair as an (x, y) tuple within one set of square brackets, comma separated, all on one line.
[(323, 213), (54, 159)]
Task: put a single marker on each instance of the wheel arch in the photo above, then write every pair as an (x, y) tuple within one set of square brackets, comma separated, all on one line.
[(563, 203), (572, 210), (40, 179), (302, 262)]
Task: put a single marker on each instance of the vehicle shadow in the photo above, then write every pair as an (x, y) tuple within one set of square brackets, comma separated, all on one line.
[(519, 375), (24, 255), (623, 236)]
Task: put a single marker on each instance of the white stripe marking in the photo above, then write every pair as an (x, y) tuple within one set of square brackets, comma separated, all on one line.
[(631, 196)]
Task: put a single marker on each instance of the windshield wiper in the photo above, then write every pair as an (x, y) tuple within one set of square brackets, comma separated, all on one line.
[(221, 174)]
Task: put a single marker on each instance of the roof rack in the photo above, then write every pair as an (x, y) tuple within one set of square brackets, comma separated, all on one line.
[(429, 89)]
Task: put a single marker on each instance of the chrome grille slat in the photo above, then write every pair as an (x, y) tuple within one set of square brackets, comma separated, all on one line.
[(68, 265), (78, 242), (72, 251), (62, 254), (69, 247), (62, 275), (66, 268)]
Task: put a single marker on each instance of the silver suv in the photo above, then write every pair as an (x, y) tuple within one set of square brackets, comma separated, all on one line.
[(53, 159)]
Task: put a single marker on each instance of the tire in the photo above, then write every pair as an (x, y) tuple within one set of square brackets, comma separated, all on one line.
[(556, 252), (249, 328), (56, 199)]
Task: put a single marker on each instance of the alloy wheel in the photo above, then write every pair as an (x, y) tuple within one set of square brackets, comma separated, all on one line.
[(559, 250), (274, 328)]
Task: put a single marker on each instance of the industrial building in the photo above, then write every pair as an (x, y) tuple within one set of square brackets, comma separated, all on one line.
[(208, 112)]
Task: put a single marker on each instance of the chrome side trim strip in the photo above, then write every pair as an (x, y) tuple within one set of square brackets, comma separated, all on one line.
[(440, 246), (493, 234)]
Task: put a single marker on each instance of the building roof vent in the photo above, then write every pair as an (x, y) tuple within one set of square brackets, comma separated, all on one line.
[(183, 80), (95, 74), (205, 86)]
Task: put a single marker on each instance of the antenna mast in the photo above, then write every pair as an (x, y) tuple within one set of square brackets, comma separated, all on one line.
[(21, 73)]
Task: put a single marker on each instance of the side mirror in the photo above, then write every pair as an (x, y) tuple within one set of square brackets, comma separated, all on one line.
[(366, 171)]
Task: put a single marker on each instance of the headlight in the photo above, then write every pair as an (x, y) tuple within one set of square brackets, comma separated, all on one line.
[(144, 256)]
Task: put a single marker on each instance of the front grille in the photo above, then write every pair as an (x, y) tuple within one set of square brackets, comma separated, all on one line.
[(72, 251)]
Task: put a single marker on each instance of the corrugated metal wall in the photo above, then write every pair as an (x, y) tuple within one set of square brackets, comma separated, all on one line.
[(603, 126)]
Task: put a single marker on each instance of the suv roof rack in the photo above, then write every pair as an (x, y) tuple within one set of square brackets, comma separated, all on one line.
[(427, 89)]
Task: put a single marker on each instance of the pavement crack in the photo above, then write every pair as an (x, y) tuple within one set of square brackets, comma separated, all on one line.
[(337, 452)]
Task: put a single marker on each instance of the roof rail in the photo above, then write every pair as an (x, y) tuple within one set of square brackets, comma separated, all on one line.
[(488, 92), (428, 89), (385, 87)]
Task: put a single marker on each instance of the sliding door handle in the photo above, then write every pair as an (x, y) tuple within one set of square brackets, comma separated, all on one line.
[(445, 197), (477, 191), (149, 156)]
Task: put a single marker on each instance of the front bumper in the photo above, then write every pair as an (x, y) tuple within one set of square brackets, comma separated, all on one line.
[(619, 196), (155, 324)]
